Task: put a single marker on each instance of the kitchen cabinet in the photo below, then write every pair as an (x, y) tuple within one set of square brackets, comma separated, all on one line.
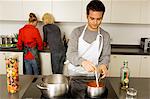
[(107, 15), (45, 58), (145, 66), (11, 10), (145, 11), (67, 10), (117, 11), (3, 65), (126, 11), (39, 7), (84, 4), (116, 63)]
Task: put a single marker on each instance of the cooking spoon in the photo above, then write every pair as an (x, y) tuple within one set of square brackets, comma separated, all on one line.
[(96, 76)]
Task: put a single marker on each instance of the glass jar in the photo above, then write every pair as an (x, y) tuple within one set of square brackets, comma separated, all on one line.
[(12, 72)]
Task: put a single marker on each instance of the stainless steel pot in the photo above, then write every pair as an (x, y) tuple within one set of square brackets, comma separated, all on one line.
[(94, 91), (54, 85)]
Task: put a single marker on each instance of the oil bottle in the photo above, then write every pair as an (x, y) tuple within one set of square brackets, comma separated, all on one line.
[(124, 75)]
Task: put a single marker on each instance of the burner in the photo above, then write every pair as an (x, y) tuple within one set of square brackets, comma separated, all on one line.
[(66, 96), (58, 97)]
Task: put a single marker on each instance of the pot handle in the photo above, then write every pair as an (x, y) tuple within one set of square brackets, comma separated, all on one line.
[(41, 86)]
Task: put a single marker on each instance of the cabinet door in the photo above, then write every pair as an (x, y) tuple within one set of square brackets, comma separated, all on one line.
[(45, 63), (20, 54), (116, 63), (114, 66), (145, 11), (106, 18), (145, 66), (10, 10), (125, 11), (67, 10), (2, 63), (107, 14), (39, 7)]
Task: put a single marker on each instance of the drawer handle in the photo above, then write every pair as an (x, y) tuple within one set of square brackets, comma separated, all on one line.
[(115, 56)]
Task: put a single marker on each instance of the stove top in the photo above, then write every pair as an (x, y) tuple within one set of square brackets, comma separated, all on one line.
[(77, 89)]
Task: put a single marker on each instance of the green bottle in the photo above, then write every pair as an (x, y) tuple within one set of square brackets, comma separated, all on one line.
[(124, 75)]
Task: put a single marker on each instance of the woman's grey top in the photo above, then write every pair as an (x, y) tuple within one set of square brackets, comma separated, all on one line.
[(52, 35), (89, 36)]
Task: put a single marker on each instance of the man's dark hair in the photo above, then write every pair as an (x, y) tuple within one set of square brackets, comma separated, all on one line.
[(95, 5)]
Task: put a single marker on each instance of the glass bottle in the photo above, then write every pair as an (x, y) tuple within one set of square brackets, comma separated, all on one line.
[(124, 75), (12, 72)]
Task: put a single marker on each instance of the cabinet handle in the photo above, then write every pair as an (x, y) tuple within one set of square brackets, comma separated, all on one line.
[(145, 57), (115, 56)]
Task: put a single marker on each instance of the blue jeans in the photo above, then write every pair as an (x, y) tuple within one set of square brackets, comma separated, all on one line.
[(31, 67)]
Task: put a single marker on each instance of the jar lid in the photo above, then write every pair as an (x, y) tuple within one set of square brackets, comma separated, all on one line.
[(11, 55)]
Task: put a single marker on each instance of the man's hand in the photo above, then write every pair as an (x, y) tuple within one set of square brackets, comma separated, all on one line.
[(88, 66), (102, 69)]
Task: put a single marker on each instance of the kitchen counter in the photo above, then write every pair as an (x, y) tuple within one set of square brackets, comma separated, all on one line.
[(115, 49), (24, 82), (14, 49), (128, 50), (142, 85)]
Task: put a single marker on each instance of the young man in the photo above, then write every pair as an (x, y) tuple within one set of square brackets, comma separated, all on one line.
[(89, 46)]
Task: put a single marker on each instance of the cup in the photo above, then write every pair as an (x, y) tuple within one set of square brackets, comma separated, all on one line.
[(131, 93), (12, 72)]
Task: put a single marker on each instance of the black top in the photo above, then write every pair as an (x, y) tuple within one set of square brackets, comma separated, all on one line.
[(77, 89), (52, 35)]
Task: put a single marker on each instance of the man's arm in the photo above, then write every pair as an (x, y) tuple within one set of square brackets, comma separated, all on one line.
[(105, 56), (106, 51)]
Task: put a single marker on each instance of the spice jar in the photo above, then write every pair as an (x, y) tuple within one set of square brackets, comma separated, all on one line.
[(12, 72)]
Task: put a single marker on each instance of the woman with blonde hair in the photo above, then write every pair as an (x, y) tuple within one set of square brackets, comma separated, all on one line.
[(52, 38), (30, 41)]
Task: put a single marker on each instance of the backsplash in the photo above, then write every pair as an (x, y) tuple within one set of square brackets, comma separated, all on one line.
[(127, 34)]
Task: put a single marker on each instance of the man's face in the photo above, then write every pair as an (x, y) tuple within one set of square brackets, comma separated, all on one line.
[(94, 19)]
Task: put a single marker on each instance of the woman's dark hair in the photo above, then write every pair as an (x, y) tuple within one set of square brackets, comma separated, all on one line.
[(32, 17), (95, 5)]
